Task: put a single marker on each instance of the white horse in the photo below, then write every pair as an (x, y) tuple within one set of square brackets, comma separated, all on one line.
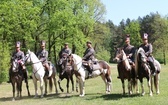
[(38, 71), (103, 70)]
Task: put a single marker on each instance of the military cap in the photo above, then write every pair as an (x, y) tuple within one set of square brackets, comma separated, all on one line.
[(17, 44), (43, 43), (89, 42), (145, 36), (66, 43), (127, 38)]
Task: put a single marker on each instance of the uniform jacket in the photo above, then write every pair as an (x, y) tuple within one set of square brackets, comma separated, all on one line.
[(65, 50), (147, 48), (129, 51), (42, 55), (17, 56), (89, 54)]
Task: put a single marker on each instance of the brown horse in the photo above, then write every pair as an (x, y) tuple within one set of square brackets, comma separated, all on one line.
[(126, 71), (51, 79), (17, 75), (66, 71), (101, 68), (143, 70)]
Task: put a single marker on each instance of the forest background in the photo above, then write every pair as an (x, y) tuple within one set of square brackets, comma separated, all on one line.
[(74, 22)]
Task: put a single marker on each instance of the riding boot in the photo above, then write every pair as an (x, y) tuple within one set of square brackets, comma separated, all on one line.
[(90, 71)]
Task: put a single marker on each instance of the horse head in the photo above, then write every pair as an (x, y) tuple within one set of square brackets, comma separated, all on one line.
[(120, 55), (15, 66), (141, 55)]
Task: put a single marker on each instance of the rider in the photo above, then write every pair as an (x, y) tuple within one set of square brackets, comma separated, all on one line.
[(42, 54), (129, 51), (65, 50), (89, 56), (17, 55), (148, 52)]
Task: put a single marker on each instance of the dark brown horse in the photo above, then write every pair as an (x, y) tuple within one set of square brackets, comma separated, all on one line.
[(143, 69), (126, 71), (51, 79), (17, 74), (66, 71)]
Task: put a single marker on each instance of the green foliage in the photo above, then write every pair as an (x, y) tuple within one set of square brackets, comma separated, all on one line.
[(4, 62)]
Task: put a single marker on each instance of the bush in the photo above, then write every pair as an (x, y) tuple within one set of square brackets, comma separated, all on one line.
[(4, 61)]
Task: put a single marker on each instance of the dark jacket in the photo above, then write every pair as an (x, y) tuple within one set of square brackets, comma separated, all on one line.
[(17, 56), (66, 51), (42, 55), (129, 51), (147, 48), (89, 54)]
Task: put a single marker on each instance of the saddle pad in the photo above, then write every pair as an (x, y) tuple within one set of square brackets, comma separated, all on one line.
[(96, 66)]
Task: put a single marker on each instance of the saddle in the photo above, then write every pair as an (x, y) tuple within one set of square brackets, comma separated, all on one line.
[(94, 64)]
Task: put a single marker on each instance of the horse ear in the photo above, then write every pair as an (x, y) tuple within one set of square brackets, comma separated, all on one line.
[(28, 50)]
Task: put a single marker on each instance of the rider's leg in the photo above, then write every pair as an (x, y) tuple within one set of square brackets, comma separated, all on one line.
[(151, 63)]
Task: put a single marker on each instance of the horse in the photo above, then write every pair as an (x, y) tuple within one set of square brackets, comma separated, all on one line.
[(125, 71), (102, 69), (51, 78), (38, 71), (17, 75), (66, 71), (143, 70)]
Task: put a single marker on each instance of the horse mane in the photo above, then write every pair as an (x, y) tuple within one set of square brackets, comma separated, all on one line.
[(128, 66), (33, 56)]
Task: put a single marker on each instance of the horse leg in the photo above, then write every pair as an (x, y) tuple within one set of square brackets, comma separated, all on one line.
[(149, 85), (129, 87), (82, 86), (123, 86), (72, 82), (13, 86), (45, 82), (59, 81), (55, 84), (27, 86), (77, 84), (142, 86), (156, 81), (67, 85), (35, 86), (41, 87), (106, 84)]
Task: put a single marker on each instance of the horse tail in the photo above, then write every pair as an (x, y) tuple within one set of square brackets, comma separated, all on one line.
[(50, 83), (136, 62), (108, 74)]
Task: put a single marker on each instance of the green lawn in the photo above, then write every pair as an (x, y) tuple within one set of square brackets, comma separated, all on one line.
[(95, 94)]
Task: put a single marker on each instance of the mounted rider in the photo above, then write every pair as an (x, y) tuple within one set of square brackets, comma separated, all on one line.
[(89, 56), (129, 50), (66, 51), (18, 56), (42, 54), (148, 52)]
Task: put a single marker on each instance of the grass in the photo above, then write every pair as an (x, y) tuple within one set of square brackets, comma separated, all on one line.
[(95, 94)]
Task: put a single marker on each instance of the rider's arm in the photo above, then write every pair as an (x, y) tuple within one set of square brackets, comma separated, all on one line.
[(149, 52), (91, 52)]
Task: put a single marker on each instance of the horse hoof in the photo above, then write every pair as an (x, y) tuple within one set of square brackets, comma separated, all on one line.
[(13, 99), (143, 94), (81, 95)]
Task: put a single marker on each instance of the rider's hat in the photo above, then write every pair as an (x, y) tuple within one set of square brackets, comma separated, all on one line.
[(43, 43), (145, 36), (127, 38), (66, 43), (89, 42), (17, 44)]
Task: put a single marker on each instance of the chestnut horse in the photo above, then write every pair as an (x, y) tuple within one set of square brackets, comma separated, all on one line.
[(143, 70), (126, 71), (102, 69), (66, 71), (17, 75)]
